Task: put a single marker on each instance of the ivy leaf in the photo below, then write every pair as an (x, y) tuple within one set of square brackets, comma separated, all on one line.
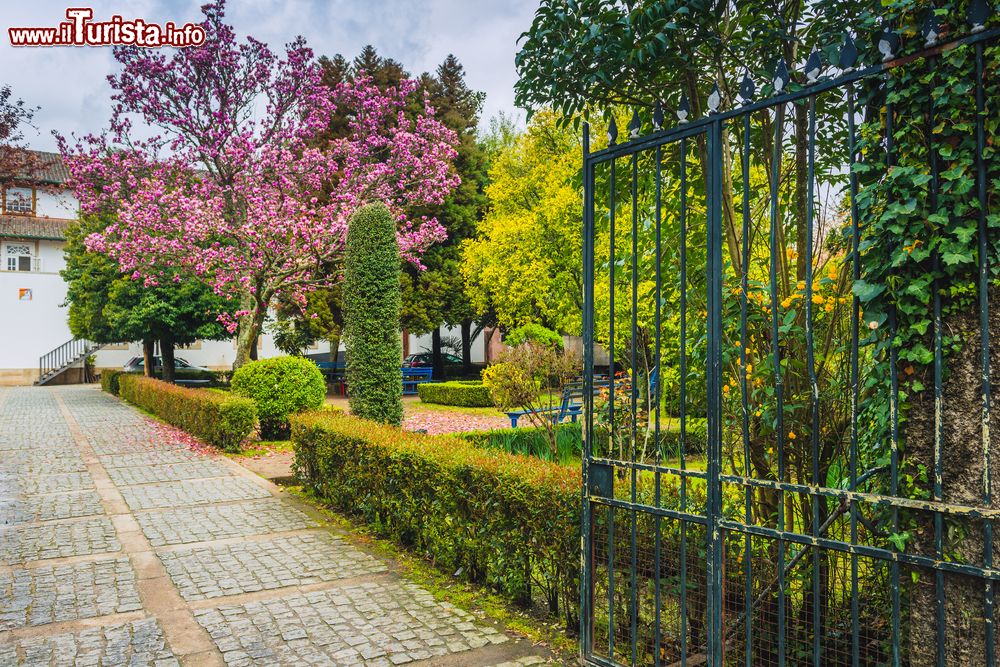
[(899, 540), (865, 291), (951, 258)]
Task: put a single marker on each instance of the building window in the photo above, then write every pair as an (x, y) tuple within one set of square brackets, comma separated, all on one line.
[(19, 200), (18, 257)]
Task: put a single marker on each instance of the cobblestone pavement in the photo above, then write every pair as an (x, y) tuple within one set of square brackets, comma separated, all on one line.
[(119, 545)]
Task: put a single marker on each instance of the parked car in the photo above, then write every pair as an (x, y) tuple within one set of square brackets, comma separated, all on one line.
[(184, 372), (426, 360)]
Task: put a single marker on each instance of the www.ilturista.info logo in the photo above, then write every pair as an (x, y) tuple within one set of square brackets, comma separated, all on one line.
[(79, 30)]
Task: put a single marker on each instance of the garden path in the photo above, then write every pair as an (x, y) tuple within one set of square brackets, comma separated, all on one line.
[(123, 543)]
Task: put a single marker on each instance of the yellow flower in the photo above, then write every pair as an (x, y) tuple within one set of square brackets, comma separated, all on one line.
[(749, 368), (828, 307), (801, 285), (818, 299), (786, 303), (725, 389), (791, 435)]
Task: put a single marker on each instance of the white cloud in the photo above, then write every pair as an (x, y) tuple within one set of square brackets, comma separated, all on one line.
[(70, 84)]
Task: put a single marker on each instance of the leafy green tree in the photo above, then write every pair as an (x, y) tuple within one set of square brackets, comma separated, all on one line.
[(107, 306), (372, 305), (524, 263)]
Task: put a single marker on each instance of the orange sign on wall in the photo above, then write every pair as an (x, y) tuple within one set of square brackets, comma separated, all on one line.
[(24, 294)]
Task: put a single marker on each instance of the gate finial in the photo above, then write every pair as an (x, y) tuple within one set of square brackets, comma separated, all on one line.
[(931, 30), (658, 116), (979, 11), (781, 77), (813, 67), (747, 89), (714, 99), (848, 53), (612, 132), (634, 126), (683, 109), (888, 43)]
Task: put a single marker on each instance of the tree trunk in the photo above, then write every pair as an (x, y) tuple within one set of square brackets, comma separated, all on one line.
[(148, 358), (334, 349), (437, 360), (247, 335), (467, 347), (963, 452), (167, 354)]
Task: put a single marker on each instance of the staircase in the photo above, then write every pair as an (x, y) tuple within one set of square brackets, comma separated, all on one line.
[(54, 363)]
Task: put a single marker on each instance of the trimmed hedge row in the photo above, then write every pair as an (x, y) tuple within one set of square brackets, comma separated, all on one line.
[(464, 393), (109, 381), (510, 522), (219, 418)]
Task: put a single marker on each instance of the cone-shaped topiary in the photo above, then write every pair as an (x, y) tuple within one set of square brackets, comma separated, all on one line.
[(372, 305)]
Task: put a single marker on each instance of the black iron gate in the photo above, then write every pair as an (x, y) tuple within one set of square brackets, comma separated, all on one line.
[(766, 465)]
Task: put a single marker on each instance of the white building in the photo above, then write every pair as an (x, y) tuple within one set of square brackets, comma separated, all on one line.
[(33, 223)]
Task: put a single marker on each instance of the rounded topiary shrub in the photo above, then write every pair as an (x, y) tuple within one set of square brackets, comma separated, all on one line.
[(280, 386)]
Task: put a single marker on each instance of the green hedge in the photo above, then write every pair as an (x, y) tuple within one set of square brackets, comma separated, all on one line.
[(219, 418), (510, 522), (109, 381), (469, 394)]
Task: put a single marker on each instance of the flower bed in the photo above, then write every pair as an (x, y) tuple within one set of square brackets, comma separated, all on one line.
[(463, 393), (219, 418)]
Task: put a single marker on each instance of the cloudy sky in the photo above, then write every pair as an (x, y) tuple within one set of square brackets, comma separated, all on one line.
[(69, 84)]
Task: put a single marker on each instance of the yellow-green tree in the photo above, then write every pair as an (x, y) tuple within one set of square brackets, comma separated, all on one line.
[(525, 264)]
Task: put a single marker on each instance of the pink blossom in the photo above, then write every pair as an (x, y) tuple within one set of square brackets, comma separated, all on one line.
[(238, 188)]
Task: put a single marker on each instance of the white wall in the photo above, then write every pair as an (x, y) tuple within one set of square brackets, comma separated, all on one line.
[(55, 205), (29, 329), (422, 343)]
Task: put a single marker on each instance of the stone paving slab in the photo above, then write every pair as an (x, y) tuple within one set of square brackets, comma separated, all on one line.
[(198, 524), (66, 593), (148, 458), (30, 542), (169, 472), (58, 483), (247, 567), (192, 492), (50, 507), (134, 644), (372, 623), (39, 463)]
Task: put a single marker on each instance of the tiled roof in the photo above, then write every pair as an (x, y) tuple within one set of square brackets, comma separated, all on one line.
[(53, 170), (30, 227)]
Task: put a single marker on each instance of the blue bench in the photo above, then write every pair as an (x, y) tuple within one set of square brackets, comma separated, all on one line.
[(334, 374), (571, 406), (414, 376)]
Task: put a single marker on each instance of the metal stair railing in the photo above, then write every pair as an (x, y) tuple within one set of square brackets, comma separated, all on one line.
[(56, 361)]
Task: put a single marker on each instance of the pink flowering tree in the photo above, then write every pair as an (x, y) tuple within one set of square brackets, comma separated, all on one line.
[(237, 187)]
